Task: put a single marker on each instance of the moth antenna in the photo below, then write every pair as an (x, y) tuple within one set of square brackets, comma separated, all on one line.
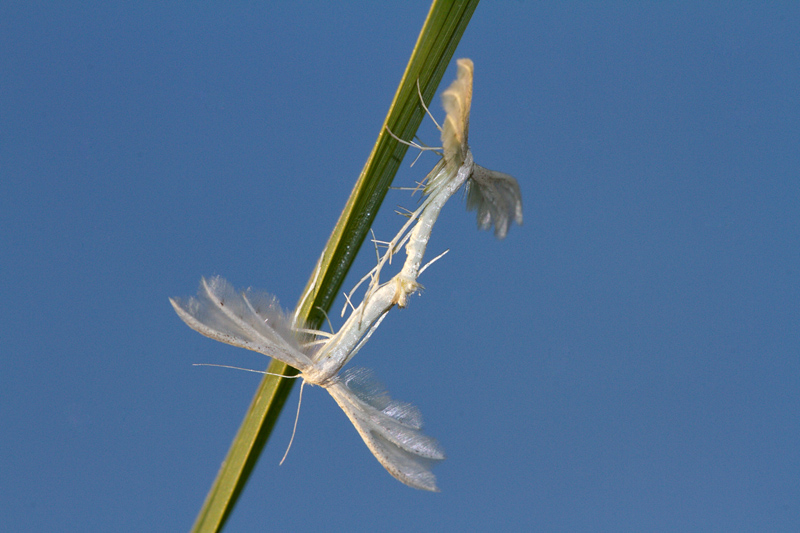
[(296, 418), (264, 372), (432, 261), (427, 111)]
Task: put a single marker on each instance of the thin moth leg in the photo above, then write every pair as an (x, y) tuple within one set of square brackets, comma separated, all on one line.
[(294, 429)]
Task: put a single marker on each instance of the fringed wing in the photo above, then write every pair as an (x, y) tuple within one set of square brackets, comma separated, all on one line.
[(457, 100), (250, 319), (390, 429), (496, 198)]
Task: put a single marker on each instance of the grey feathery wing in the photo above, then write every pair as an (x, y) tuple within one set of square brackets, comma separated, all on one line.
[(250, 319), (494, 195), (496, 198), (390, 429)]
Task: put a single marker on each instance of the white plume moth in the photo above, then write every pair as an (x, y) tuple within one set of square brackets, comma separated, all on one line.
[(255, 321), (494, 195)]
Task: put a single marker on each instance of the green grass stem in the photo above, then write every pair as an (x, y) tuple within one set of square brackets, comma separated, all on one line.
[(445, 24)]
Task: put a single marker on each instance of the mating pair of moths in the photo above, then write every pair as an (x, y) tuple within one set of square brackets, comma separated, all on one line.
[(255, 321)]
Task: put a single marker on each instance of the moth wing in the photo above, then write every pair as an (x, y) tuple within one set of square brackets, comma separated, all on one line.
[(496, 198), (390, 429), (250, 319), (457, 100)]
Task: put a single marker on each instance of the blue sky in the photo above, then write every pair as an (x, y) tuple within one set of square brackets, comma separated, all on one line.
[(627, 360)]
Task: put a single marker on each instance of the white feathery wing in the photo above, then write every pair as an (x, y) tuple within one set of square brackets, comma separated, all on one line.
[(250, 319), (390, 429), (495, 196), (255, 321)]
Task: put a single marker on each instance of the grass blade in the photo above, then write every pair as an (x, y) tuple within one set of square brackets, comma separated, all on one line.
[(445, 24)]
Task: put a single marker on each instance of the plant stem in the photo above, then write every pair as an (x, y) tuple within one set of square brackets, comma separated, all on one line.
[(445, 24)]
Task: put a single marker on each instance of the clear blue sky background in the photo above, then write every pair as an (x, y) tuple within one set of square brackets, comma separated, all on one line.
[(627, 360)]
